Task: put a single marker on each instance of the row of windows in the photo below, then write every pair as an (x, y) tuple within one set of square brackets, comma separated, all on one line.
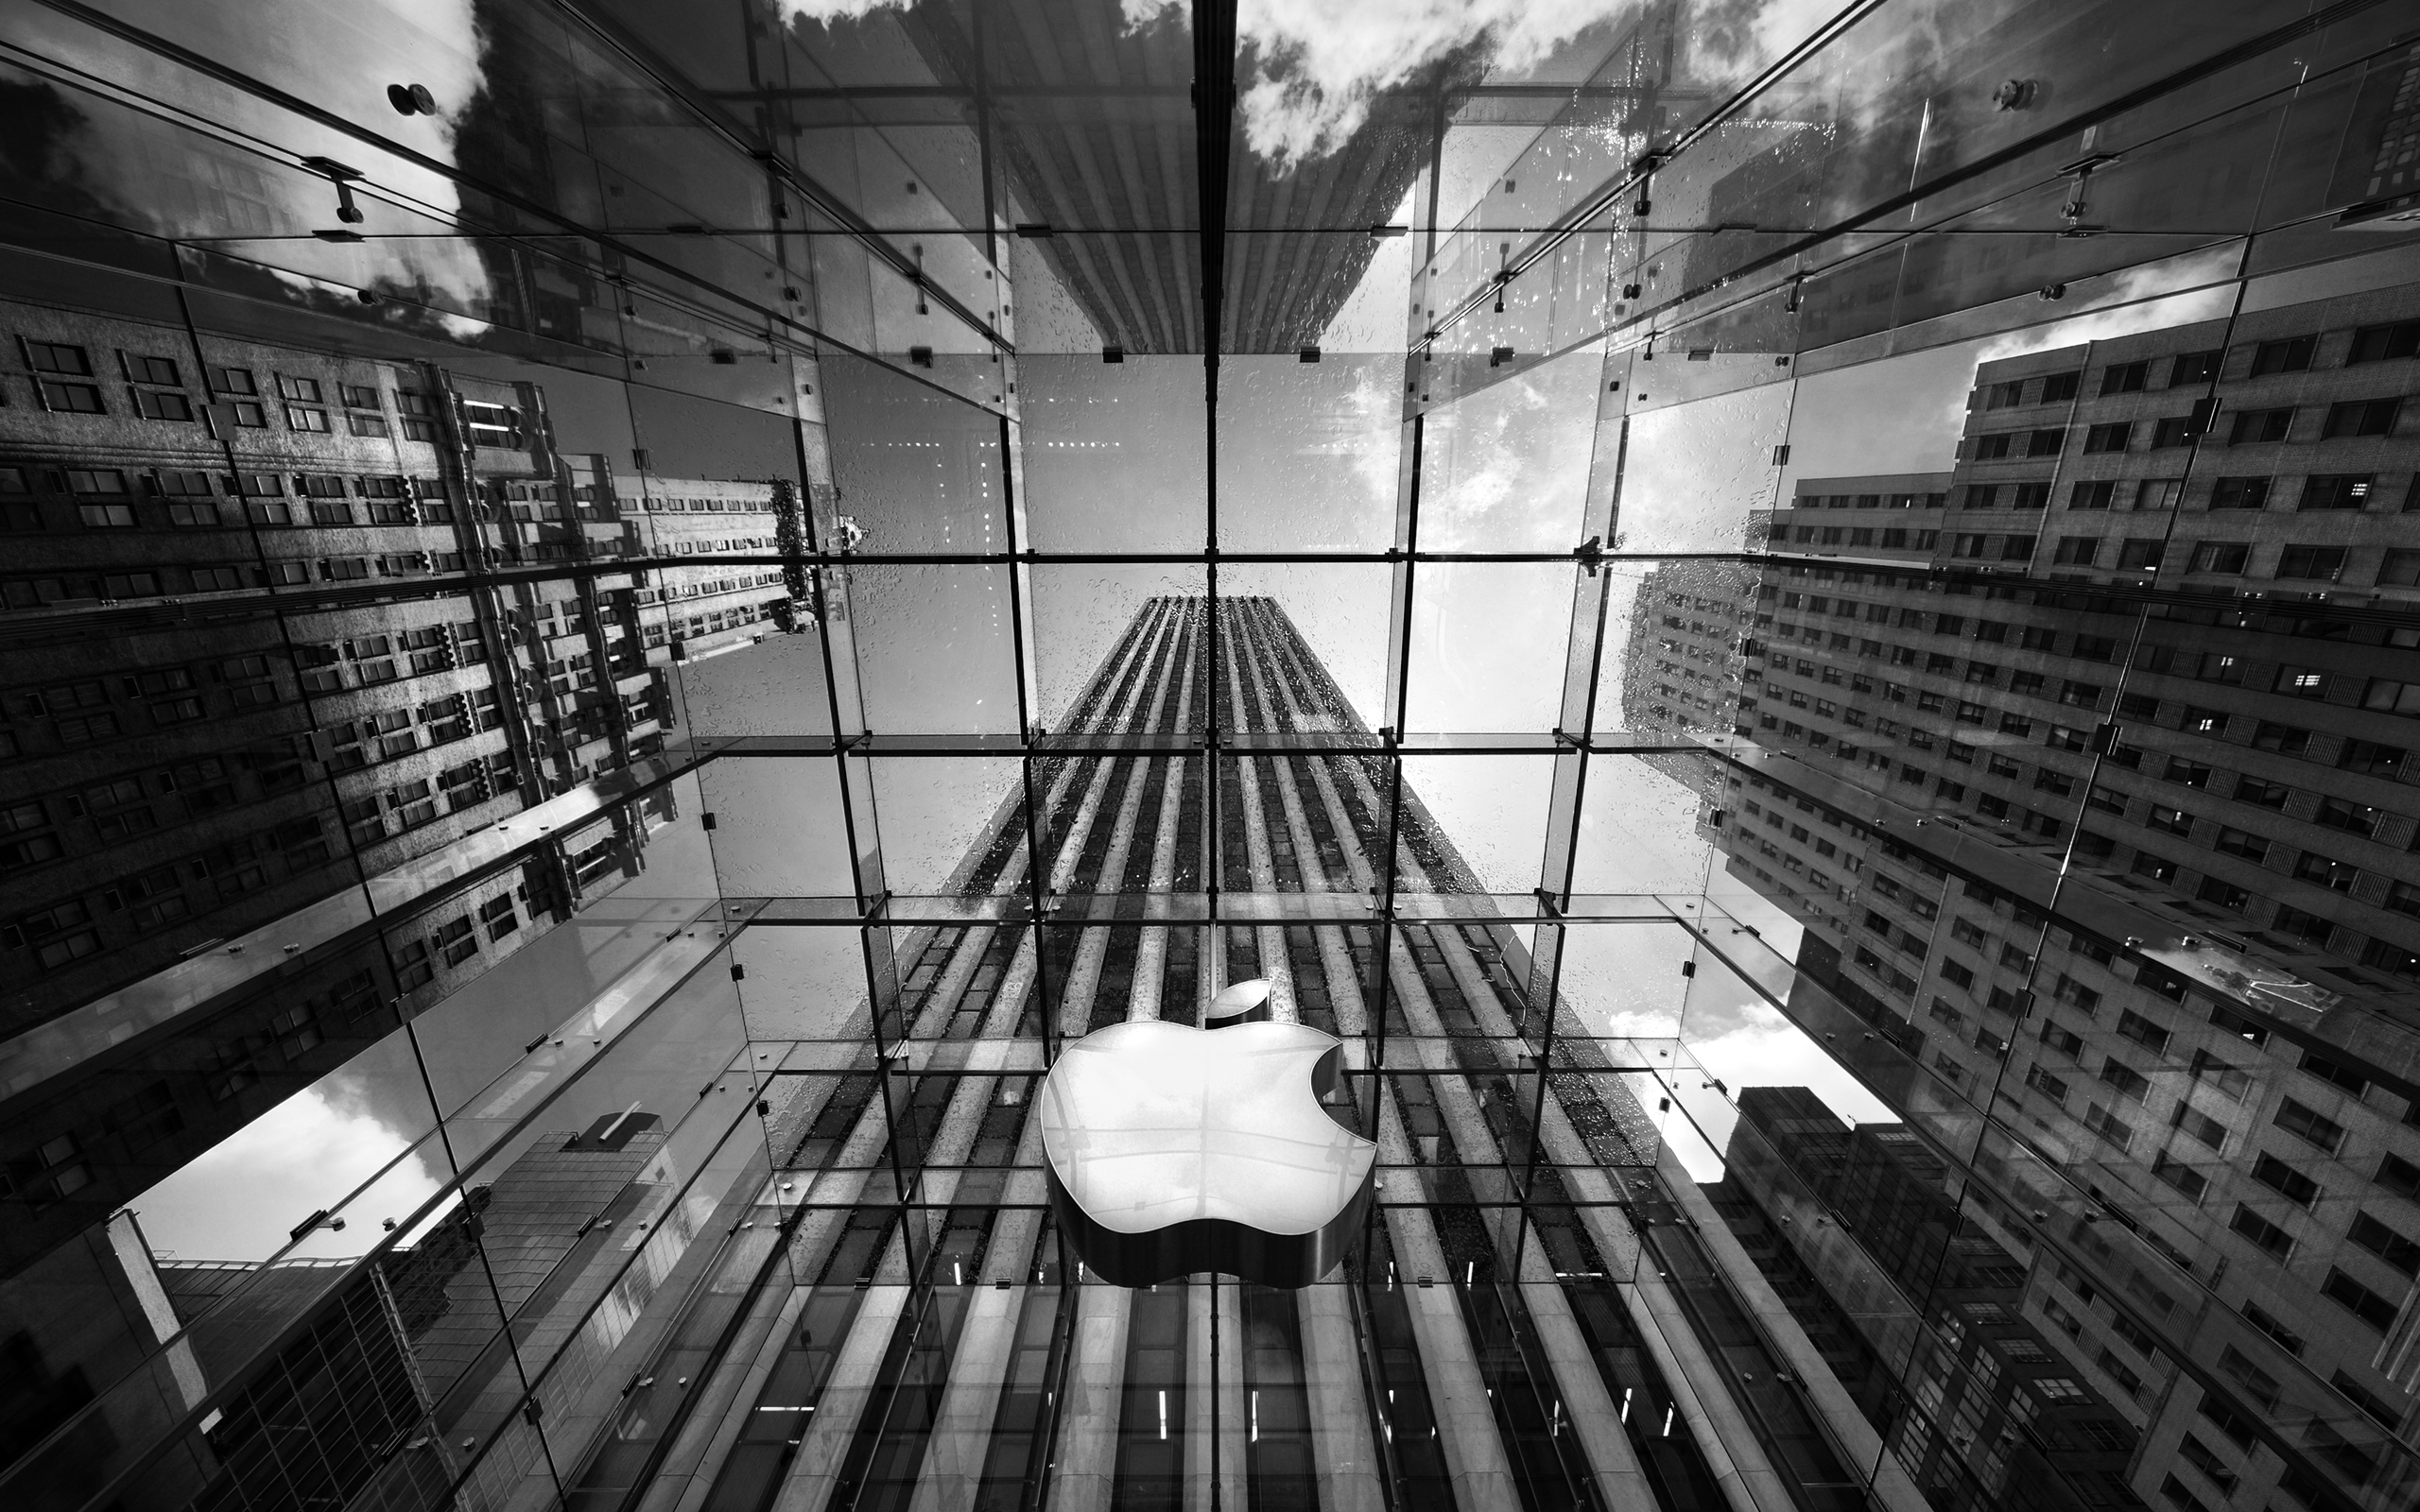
[(2319, 491), (2222, 558), (156, 390), (2345, 420), (175, 483), (82, 588), (2390, 341), (1889, 539), (2338, 812), (79, 588), (1871, 501), (117, 809), (68, 931)]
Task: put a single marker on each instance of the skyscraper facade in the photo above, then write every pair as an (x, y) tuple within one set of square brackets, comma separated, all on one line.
[(2120, 880)]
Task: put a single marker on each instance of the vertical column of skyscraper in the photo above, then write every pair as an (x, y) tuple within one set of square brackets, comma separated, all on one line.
[(1280, 668), (971, 983), (1456, 974), (1115, 824)]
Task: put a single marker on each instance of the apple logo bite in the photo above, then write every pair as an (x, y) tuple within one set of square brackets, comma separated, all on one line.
[(1174, 1150)]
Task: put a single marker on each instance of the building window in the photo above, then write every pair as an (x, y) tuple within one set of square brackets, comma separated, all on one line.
[(2352, 818), (498, 916), (2139, 554), (56, 365), (2357, 1299), (2124, 378), (2128, 1082), (2240, 494), (2371, 757), (2181, 1176), (363, 413), (2400, 1176), (237, 394), (2092, 495), (2335, 490), (456, 940), (2385, 343), (2269, 1237), (2256, 428), (2285, 1180), (419, 411), (2291, 354), (2308, 1123), (2401, 1253), (160, 371), (2315, 563), (2337, 876), (2108, 1125), (2111, 437), (51, 1171), (2169, 820), (2360, 416)]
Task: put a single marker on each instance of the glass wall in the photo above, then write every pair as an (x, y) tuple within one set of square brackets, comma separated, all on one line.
[(621, 623)]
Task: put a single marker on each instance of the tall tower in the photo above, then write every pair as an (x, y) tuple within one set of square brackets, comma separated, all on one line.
[(1540, 1298)]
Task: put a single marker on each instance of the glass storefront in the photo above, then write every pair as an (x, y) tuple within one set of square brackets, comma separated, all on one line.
[(1798, 631)]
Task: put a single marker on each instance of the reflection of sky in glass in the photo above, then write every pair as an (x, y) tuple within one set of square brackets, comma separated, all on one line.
[(240, 1200)]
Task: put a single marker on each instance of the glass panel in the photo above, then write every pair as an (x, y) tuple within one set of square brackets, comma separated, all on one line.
[(1113, 453), (1506, 468), (1487, 642)]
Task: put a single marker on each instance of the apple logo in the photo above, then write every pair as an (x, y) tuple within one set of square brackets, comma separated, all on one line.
[(1174, 1150)]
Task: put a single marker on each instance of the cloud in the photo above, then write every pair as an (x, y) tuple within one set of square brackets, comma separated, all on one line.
[(1320, 62), (157, 176), (238, 1200), (823, 13), (2138, 301)]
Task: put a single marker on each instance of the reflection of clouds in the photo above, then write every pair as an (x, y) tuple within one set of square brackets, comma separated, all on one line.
[(1321, 60), (171, 183), (2142, 308), (1695, 471), (1638, 831), (238, 1200), (1767, 1050), (1506, 467)]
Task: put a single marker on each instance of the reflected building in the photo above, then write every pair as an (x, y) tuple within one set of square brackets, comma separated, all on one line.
[(1110, 194), (1986, 1414), (396, 1378), (2129, 885), (285, 630)]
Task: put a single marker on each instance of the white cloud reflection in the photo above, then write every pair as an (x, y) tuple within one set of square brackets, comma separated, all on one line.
[(162, 179), (239, 1200)]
